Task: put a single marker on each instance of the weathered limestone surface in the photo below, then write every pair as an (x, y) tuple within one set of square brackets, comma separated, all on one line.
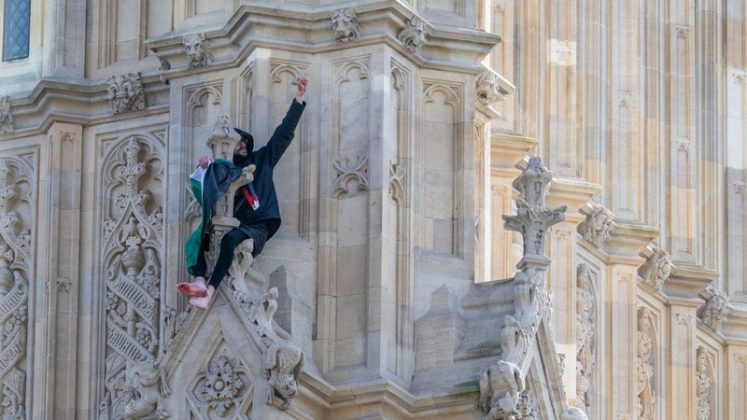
[(393, 289)]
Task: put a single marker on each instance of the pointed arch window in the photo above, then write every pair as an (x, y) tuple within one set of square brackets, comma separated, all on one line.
[(16, 24)]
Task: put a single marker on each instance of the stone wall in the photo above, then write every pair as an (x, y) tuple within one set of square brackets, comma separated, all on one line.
[(393, 270)]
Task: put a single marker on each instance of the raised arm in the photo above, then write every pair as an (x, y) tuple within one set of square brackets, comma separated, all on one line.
[(283, 134)]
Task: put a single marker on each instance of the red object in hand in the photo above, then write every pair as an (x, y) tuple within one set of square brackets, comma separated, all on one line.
[(253, 202)]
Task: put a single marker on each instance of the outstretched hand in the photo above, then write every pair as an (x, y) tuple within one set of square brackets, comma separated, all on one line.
[(205, 161), (301, 84)]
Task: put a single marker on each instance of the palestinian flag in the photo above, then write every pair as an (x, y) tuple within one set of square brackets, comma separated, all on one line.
[(208, 185)]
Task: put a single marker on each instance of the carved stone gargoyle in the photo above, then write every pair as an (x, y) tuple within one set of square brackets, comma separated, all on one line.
[(146, 384), (283, 364)]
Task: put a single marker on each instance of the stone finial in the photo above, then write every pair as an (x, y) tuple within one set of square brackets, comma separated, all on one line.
[(657, 268), (283, 364), (345, 24), (599, 224), (501, 385), (221, 142), (413, 36), (198, 50), (715, 309), (533, 217), (6, 119), (125, 92)]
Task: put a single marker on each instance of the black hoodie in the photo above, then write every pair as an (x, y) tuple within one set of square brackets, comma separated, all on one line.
[(265, 158)]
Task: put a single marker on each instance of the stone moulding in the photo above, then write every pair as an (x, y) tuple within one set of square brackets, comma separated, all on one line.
[(388, 22)]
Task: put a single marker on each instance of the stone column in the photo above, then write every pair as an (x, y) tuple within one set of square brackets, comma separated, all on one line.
[(64, 38), (57, 317), (574, 193), (682, 289), (622, 250)]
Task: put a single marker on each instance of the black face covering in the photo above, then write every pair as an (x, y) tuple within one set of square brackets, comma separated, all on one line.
[(247, 138), (242, 161)]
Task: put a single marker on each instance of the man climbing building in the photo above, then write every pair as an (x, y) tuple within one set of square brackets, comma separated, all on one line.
[(256, 205)]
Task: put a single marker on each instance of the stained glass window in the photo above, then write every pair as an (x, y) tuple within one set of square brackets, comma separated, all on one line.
[(16, 29)]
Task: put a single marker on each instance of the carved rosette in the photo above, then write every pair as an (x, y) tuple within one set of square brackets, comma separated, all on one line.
[(646, 364), (198, 50), (221, 387), (585, 337), (125, 93), (599, 224), (345, 25), (6, 119), (704, 384), (502, 384), (715, 309), (15, 265), (133, 231), (657, 268), (413, 36)]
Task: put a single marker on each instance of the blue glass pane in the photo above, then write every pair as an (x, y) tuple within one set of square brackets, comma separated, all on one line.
[(16, 29)]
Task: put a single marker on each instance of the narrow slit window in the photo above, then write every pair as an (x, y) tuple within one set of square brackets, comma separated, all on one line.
[(16, 25)]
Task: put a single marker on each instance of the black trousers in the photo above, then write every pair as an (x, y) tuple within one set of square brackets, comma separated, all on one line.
[(232, 239)]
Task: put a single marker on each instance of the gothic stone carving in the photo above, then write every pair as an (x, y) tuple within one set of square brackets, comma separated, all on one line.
[(15, 248), (599, 224), (657, 268), (502, 383), (132, 247), (396, 185), (283, 364), (715, 309), (222, 385), (6, 119), (345, 24), (352, 175), (533, 218), (413, 36), (125, 93), (645, 364), (585, 337), (704, 384), (198, 50), (500, 386), (487, 88), (145, 385)]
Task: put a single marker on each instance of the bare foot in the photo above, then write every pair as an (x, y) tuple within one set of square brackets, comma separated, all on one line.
[(194, 289), (202, 302)]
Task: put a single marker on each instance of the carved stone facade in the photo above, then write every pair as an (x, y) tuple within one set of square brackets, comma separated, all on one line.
[(610, 135), (126, 93)]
